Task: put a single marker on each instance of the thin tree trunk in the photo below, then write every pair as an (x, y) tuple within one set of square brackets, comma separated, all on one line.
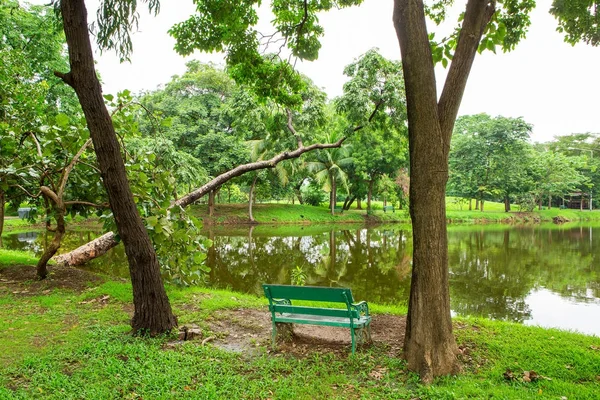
[(476, 204), (506, 204), (211, 203), (358, 204), (2, 203), (370, 194), (251, 199), (549, 201), (54, 245), (540, 203), (481, 203), (470, 204), (152, 311)]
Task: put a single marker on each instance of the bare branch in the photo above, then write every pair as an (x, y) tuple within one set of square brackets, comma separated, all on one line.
[(69, 168), (242, 169), (49, 193), (86, 203), (27, 191)]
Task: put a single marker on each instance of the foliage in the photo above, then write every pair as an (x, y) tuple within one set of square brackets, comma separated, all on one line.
[(228, 26), (150, 163), (313, 194), (578, 19), (489, 157)]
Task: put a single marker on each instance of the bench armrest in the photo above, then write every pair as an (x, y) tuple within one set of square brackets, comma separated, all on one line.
[(362, 307)]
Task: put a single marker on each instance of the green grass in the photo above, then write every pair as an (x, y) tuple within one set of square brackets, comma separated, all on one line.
[(16, 257), (60, 345), (287, 214)]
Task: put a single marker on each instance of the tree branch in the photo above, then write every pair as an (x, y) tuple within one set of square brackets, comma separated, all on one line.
[(477, 15), (66, 78), (86, 203), (49, 193), (67, 171), (242, 169)]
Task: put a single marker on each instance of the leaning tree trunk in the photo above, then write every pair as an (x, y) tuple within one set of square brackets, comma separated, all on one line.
[(88, 251), (152, 311), (429, 345), (52, 248)]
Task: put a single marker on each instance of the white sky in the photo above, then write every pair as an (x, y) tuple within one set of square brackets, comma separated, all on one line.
[(553, 85)]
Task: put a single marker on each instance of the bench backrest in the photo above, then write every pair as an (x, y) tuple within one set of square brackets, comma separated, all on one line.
[(310, 293)]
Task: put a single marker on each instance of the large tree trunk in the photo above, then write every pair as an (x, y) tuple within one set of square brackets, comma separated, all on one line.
[(152, 311), (358, 204), (251, 199), (429, 346)]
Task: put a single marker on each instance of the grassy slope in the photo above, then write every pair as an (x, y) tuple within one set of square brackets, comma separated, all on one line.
[(277, 213), (62, 346)]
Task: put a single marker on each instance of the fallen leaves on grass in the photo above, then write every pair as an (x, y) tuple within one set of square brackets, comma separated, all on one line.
[(526, 376)]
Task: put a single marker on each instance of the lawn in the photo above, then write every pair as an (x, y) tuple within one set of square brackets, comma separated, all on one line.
[(73, 343)]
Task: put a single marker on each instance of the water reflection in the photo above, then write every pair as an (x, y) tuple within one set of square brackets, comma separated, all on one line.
[(533, 274)]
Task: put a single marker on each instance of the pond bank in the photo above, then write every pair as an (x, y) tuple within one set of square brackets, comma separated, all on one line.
[(288, 214), (62, 342)]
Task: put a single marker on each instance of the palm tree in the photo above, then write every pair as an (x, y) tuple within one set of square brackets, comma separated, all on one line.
[(328, 166)]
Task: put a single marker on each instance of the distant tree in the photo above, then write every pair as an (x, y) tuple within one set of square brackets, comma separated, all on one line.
[(488, 157)]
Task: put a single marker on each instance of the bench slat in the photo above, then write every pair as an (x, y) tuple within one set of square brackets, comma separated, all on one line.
[(321, 320), (326, 312), (311, 293)]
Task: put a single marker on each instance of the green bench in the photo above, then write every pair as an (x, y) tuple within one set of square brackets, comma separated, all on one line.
[(388, 208), (354, 316)]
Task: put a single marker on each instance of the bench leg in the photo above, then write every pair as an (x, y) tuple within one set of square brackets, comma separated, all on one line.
[(353, 341), (274, 336)]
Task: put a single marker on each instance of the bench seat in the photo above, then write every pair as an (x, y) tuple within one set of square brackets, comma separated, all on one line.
[(323, 320)]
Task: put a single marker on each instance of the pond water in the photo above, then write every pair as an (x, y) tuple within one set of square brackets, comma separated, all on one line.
[(544, 275)]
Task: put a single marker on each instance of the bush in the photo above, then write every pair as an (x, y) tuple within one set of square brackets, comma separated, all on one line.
[(313, 195)]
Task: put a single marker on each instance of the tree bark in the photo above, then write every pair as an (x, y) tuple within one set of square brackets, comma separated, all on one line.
[(481, 205), (470, 204), (54, 245), (370, 194), (506, 204), (211, 203), (476, 204), (88, 251), (358, 204), (333, 195), (549, 201), (251, 199), (152, 311), (429, 347), (2, 203)]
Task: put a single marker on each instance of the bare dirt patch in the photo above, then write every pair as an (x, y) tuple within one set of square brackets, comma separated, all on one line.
[(243, 330), (21, 280)]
